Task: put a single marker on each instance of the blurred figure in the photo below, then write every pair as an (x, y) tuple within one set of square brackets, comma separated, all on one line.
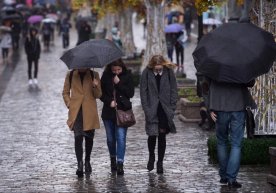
[(46, 34), (16, 30), (32, 49), (6, 44), (188, 21), (65, 32), (116, 35), (84, 32)]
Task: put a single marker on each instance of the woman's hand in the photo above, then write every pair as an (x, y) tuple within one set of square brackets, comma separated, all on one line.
[(116, 79), (213, 116), (95, 82), (113, 104)]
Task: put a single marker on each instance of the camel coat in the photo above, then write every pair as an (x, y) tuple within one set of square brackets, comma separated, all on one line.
[(84, 95)]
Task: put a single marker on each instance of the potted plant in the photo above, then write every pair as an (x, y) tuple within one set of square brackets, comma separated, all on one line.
[(190, 107)]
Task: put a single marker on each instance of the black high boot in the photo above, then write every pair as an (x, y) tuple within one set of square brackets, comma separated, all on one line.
[(87, 166), (113, 164), (150, 165), (79, 171), (120, 168), (88, 150), (160, 167)]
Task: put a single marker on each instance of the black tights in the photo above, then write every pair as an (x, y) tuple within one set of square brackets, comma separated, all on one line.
[(161, 145), (79, 148)]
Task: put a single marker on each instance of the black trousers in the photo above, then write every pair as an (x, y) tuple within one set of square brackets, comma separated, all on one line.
[(65, 40), (32, 61), (5, 52)]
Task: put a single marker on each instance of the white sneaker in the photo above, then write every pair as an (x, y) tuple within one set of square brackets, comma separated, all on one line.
[(30, 82), (35, 81)]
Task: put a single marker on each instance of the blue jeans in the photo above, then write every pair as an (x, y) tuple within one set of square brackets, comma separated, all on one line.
[(116, 140), (229, 124)]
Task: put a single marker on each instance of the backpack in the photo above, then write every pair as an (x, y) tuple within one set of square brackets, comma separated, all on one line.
[(71, 76)]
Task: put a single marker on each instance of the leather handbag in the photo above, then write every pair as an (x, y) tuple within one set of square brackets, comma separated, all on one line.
[(124, 118), (250, 123)]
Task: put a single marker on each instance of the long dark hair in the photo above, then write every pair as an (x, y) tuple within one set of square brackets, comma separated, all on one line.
[(118, 62)]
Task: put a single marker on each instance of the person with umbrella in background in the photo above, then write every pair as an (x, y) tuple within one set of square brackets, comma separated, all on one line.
[(81, 89), (118, 88), (231, 57), (32, 50), (172, 32)]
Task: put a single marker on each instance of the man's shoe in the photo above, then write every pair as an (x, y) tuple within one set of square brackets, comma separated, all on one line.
[(120, 168), (150, 165), (113, 164), (88, 168), (223, 181), (234, 184)]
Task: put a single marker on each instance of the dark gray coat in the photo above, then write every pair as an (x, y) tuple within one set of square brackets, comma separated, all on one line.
[(150, 98), (229, 97)]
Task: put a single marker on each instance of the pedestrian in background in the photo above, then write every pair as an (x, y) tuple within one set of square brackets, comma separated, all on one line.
[(84, 32), (81, 89), (227, 103), (32, 49), (158, 93), (117, 88), (6, 44), (65, 31)]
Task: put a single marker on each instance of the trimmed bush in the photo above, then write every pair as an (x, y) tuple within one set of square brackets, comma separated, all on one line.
[(254, 151)]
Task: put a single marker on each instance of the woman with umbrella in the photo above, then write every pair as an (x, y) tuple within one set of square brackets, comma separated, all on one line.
[(81, 89), (117, 88), (158, 93)]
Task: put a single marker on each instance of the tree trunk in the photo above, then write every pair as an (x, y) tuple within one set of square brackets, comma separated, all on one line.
[(156, 43), (127, 32)]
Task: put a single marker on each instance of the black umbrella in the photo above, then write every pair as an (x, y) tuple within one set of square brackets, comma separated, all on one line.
[(92, 54), (235, 53)]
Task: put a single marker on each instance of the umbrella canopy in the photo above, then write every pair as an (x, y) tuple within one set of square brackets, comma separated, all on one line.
[(35, 19), (52, 16), (92, 54), (11, 17), (211, 21), (235, 53), (173, 28), (48, 20), (5, 28)]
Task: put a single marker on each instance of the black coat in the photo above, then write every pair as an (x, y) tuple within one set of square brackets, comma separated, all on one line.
[(124, 91), (32, 48)]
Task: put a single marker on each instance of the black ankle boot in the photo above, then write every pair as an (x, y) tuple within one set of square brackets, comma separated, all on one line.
[(160, 167), (150, 165), (113, 164), (120, 168), (79, 171), (88, 168)]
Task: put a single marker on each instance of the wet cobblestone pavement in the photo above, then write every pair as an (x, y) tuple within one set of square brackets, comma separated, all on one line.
[(37, 148)]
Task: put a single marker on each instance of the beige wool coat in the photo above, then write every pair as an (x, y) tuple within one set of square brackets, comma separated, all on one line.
[(84, 95)]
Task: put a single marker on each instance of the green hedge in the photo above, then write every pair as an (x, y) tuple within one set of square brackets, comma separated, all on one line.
[(254, 151)]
